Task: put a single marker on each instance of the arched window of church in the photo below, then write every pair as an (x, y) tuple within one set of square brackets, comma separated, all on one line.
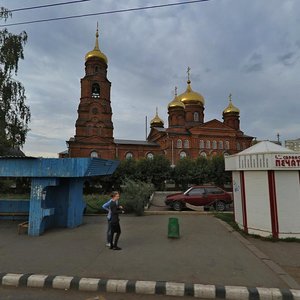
[(95, 90), (96, 69), (226, 145), (196, 117), (207, 144), (203, 154), (129, 155), (221, 145), (201, 144), (214, 145), (186, 144), (238, 146), (179, 143), (183, 154), (150, 155), (94, 154)]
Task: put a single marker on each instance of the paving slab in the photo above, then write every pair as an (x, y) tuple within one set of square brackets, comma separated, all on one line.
[(205, 253)]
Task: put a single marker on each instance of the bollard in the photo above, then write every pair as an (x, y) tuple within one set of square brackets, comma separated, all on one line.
[(173, 228)]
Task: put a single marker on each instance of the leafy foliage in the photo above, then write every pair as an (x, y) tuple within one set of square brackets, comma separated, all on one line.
[(135, 195), (14, 113)]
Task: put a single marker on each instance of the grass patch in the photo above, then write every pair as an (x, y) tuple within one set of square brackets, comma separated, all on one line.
[(14, 196), (94, 203), (229, 219)]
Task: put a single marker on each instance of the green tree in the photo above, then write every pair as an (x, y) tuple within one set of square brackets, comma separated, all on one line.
[(201, 171), (14, 113), (218, 175), (183, 173), (155, 170)]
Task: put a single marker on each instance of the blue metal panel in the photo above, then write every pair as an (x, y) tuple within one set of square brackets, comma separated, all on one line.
[(56, 167), (14, 206)]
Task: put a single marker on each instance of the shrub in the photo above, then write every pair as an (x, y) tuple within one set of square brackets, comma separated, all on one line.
[(135, 195)]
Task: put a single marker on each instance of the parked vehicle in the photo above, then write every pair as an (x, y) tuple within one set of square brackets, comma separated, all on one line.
[(201, 195)]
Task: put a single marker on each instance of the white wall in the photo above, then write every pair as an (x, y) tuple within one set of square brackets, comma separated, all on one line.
[(288, 203), (237, 198), (258, 203)]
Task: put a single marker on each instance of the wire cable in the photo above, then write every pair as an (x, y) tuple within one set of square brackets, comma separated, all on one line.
[(47, 5), (105, 12)]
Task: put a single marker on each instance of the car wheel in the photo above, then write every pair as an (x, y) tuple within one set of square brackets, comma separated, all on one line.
[(220, 206), (177, 206)]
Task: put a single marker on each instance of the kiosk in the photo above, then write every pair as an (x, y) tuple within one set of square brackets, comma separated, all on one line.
[(266, 190)]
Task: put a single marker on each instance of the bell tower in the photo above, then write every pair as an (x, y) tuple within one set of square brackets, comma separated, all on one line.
[(94, 127)]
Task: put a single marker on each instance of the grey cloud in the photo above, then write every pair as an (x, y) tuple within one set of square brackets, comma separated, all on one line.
[(288, 59)]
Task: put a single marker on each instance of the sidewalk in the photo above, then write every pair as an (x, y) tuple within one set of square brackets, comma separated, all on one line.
[(206, 253)]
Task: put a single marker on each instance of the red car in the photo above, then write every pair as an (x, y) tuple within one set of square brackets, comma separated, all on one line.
[(201, 195)]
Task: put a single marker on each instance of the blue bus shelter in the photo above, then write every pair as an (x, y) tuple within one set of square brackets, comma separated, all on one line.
[(56, 198)]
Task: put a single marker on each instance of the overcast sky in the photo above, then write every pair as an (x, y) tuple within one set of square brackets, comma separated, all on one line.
[(249, 48)]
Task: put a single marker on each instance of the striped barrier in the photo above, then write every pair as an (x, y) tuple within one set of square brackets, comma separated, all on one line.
[(147, 287)]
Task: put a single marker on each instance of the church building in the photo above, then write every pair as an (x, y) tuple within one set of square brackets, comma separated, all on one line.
[(185, 135)]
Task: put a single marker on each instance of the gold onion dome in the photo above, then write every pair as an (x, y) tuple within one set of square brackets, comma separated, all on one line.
[(157, 121), (96, 52), (176, 102), (189, 96), (231, 108)]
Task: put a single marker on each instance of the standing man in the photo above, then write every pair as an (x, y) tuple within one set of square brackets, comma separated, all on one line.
[(115, 209), (106, 206)]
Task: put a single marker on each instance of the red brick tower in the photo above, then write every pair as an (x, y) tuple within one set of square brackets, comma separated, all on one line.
[(94, 127)]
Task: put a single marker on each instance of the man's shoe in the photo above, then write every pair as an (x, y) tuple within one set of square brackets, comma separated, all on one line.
[(117, 248), (107, 244)]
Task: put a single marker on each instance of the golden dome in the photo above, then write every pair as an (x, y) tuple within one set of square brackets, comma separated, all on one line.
[(191, 97), (157, 121), (96, 52), (176, 102), (231, 108)]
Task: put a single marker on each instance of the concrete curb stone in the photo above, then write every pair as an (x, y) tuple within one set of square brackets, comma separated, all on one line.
[(148, 287)]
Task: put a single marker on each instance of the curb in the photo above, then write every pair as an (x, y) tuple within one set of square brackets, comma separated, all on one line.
[(147, 287)]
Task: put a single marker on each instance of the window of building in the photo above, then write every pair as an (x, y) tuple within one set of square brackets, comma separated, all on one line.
[(94, 154), (203, 154), (196, 116), (150, 155), (207, 144), (96, 69), (95, 90), (238, 146), (183, 154), (214, 145), (201, 145), (186, 144), (179, 143), (226, 145), (129, 155), (244, 146)]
